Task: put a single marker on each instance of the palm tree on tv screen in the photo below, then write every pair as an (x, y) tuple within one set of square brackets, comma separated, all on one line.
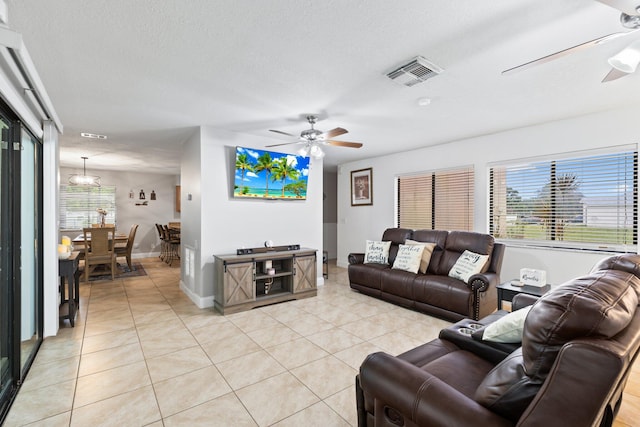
[(283, 170), (265, 163), (243, 163)]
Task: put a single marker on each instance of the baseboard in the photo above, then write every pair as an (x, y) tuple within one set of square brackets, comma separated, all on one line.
[(140, 255), (200, 302)]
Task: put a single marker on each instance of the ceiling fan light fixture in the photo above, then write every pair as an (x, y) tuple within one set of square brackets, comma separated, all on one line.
[(316, 151), (627, 59), (304, 151), (630, 21)]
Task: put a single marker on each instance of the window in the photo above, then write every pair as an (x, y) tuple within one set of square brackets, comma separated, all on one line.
[(586, 202), (79, 204), (441, 200)]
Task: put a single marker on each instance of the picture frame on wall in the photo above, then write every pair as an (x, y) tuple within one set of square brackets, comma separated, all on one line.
[(362, 187)]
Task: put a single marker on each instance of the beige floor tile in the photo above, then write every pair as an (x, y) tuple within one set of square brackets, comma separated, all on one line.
[(219, 332), (325, 376), (273, 335), (249, 369), (334, 340), (38, 404), (56, 348), (344, 403), (186, 391), (629, 410), (134, 408), (308, 324), (230, 348), (210, 320), (354, 356), (395, 343), (252, 320), (163, 338), (46, 374), (141, 317), (103, 360), (276, 398), (296, 353), (318, 415), (227, 411), (110, 340), (177, 363), (60, 420), (105, 384), (367, 328)]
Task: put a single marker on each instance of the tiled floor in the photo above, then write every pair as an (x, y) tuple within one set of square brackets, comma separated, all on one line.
[(142, 354)]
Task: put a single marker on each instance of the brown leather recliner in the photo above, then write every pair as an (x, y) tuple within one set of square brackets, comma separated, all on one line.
[(579, 343)]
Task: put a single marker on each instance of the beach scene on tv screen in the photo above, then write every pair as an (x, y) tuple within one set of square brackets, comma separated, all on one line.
[(268, 174)]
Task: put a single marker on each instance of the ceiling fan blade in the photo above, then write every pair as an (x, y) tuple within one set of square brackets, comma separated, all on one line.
[(281, 132), (344, 144), (613, 74), (564, 52), (286, 143), (626, 6), (335, 132)]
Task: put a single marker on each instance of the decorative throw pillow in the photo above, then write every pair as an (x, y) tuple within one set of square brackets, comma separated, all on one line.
[(408, 258), (467, 265), (507, 329), (377, 252), (426, 253)]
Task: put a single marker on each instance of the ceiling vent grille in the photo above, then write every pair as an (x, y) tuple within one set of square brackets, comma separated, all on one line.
[(416, 71)]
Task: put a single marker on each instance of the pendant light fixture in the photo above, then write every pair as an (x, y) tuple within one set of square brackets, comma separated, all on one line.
[(84, 179)]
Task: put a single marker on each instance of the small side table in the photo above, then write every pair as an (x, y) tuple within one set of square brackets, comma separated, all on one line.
[(69, 287), (506, 291)]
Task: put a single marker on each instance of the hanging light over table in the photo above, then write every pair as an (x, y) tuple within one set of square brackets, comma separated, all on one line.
[(84, 179)]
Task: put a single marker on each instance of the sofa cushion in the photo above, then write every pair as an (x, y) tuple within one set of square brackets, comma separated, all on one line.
[(439, 237), (460, 241), (598, 305), (376, 252), (468, 264), (396, 236), (507, 329), (426, 253), (442, 291), (409, 258)]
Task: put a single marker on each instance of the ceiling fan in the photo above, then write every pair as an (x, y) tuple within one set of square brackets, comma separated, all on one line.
[(624, 63), (313, 139)]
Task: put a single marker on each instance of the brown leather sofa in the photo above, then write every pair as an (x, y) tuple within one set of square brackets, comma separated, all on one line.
[(579, 343), (434, 292)]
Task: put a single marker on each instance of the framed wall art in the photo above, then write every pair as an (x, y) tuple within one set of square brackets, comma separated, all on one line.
[(362, 187)]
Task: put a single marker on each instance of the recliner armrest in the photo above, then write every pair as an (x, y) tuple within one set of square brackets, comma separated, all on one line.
[(403, 388), (356, 258), (522, 300), (483, 281)]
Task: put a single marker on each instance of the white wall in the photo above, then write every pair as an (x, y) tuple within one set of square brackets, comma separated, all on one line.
[(356, 224), (161, 211), (227, 224)]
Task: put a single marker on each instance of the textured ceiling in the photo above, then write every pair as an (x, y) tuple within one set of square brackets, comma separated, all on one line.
[(148, 72)]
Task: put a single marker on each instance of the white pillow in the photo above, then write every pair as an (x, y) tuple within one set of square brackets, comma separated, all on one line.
[(377, 252), (426, 253), (507, 329), (408, 258), (467, 265)]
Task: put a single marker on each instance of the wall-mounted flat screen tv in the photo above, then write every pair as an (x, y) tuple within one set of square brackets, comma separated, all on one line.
[(264, 174)]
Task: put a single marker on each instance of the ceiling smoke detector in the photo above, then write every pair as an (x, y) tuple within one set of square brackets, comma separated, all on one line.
[(415, 71)]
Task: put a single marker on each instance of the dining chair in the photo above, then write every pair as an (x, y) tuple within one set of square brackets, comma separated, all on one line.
[(173, 244), (98, 250), (124, 249), (163, 244)]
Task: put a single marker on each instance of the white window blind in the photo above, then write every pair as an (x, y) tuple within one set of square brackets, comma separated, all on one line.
[(440, 200), (585, 202), (78, 205)]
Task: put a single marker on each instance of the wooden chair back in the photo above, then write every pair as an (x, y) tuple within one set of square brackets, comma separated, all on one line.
[(98, 244)]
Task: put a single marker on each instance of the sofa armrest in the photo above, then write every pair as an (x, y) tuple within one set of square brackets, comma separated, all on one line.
[(356, 258), (522, 300), (403, 389), (482, 282)]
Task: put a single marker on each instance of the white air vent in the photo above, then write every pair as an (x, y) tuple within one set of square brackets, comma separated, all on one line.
[(414, 72), (92, 135)]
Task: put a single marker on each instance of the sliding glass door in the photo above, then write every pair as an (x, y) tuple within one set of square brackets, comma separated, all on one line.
[(21, 306)]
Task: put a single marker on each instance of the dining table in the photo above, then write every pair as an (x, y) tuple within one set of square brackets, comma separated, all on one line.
[(118, 238)]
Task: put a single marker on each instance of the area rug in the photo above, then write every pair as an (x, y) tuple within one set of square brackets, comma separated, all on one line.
[(123, 272)]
